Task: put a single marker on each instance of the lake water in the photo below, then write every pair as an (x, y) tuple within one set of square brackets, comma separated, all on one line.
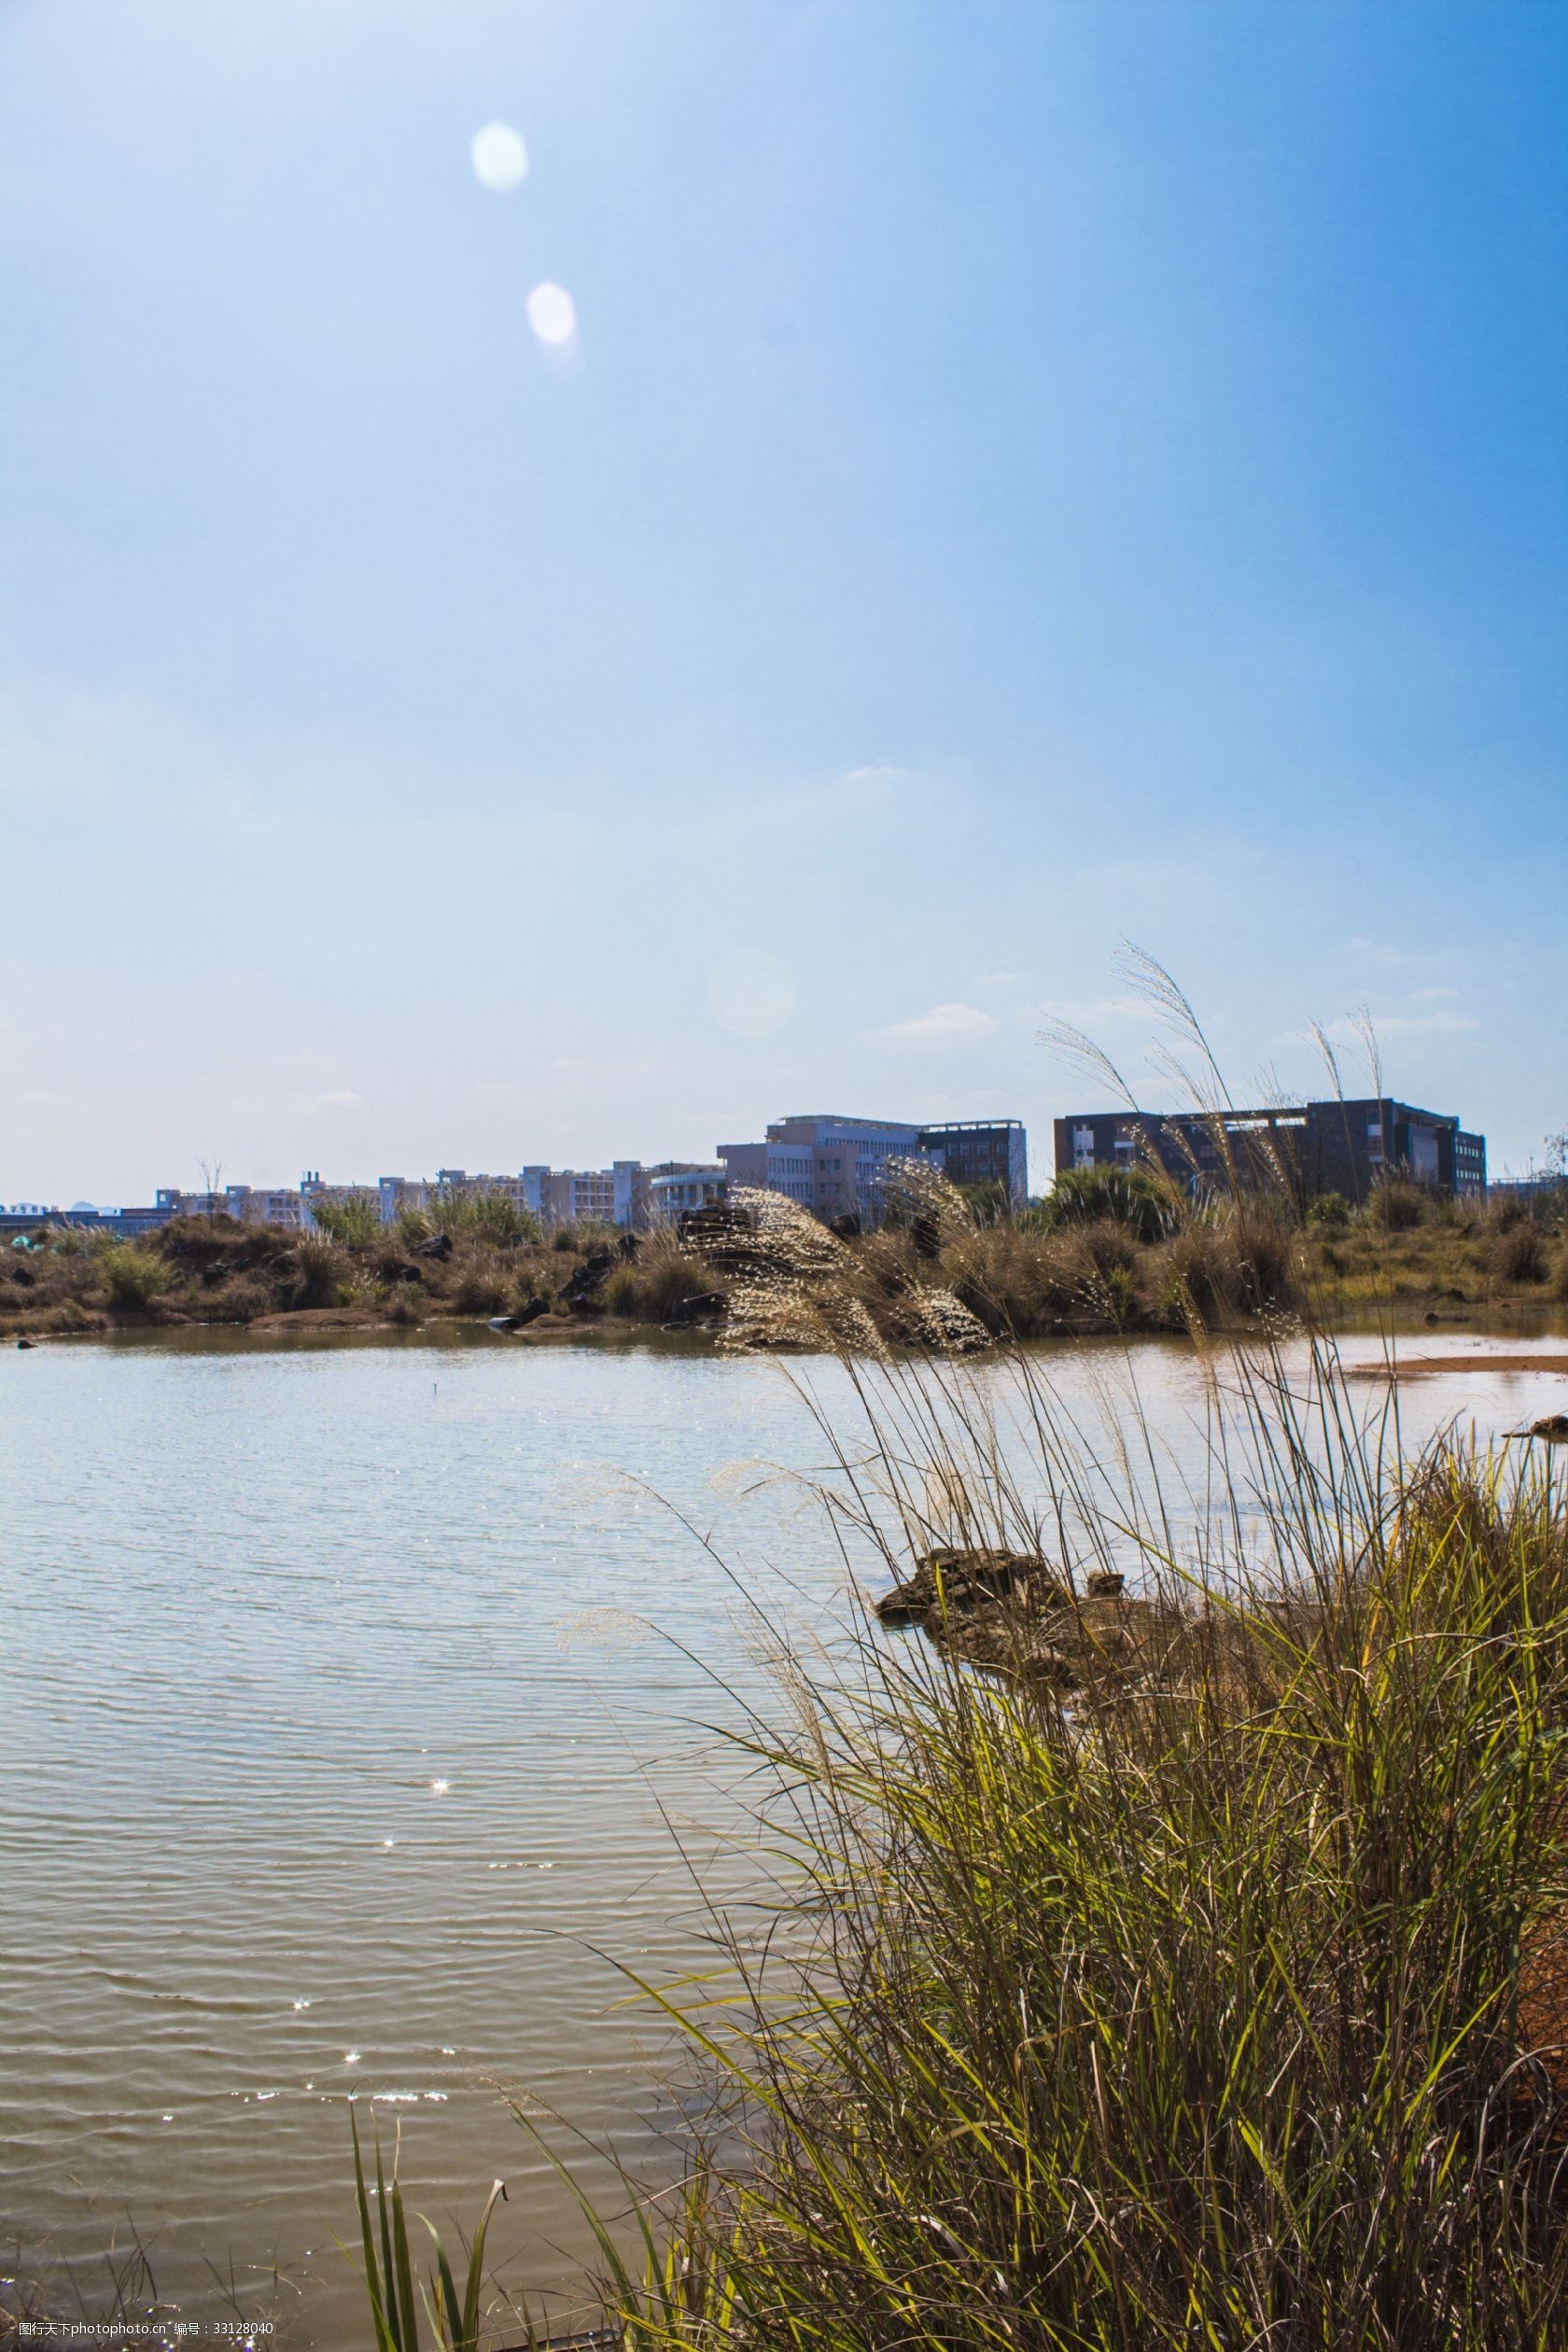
[(352, 1695)]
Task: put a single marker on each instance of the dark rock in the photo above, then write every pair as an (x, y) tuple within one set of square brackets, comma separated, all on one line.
[(708, 1307), (26, 1343), (438, 1246), (1008, 1614), (530, 1311), (960, 1580), (628, 1245), (585, 1282)]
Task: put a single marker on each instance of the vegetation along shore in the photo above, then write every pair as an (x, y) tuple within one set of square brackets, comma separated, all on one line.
[(1108, 1250)]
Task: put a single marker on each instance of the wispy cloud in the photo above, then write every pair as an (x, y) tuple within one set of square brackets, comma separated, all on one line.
[(1084, 1012), (1385, 1026), (344, 1099), (944, 1025)]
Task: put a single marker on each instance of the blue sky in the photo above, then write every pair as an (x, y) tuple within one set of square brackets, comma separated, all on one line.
[(1023, 476)]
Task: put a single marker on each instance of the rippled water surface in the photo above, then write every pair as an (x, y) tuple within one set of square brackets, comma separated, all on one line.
[(350, 1693)]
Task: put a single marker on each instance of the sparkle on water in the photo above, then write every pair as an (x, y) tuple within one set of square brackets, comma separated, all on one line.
[(499, 158)]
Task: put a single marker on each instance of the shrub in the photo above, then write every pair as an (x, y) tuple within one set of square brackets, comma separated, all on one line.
[(131, 1277), (239, 1301), (1148, 1206), (1266, 1259), (479, 1292), (1397, 1207), (316, 1276), (1197, 1282), (353, 1224), (483, 1215), (1520, 1254), (1330, 1210), (656, 1284)]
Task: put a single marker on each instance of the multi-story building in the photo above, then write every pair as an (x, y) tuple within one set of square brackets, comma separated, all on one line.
[(570, 1195), (838, 1166), (24, 1217), (833, 1165), (264, 1204), (993, 1152), (1314, 1147), (681, 1187)]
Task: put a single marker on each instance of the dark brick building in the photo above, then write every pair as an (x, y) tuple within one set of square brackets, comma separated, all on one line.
[(1317, 1147), (981, 1151)]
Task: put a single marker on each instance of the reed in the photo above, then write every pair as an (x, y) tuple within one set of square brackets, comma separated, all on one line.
[(1217, 2000), (1210, 2004)]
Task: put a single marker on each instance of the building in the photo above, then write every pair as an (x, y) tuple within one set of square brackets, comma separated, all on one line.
[(1312, 1147), (835, 1165), (570, 1195), (991, 1152), (126, 1224), (674, 1191), (838, 1166), (263, 1204)]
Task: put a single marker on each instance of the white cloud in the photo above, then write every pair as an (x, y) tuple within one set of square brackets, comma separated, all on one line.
[(944, 1025), (344, 1100), (1390, 1025), (879, 772)]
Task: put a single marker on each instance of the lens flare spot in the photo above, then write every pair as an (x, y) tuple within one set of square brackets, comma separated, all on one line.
[(552, 315), (499, 158)]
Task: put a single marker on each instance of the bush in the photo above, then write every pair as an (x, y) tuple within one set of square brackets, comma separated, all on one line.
[(658, 1283), (485, 1216), (131, 1277), (1520, 1254), (316, 1276), (1329, 1210), (1397, 1207), (240, 1301), (353, 1224), (1148, 1206), (479, 1292)]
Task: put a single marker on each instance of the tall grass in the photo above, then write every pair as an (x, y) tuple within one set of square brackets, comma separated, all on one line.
[(1221, 2001), (1210, 2009)]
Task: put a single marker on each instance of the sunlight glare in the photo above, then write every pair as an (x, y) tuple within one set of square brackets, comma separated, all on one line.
[(552, 315), (499, 158)]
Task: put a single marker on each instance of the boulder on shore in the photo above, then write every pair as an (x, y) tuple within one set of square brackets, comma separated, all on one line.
[(1011, 1613)]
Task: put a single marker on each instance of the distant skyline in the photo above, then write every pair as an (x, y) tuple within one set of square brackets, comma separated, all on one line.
[(582, 579)]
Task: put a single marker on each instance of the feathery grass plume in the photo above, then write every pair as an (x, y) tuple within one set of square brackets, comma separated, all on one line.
[(791, 1280)]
